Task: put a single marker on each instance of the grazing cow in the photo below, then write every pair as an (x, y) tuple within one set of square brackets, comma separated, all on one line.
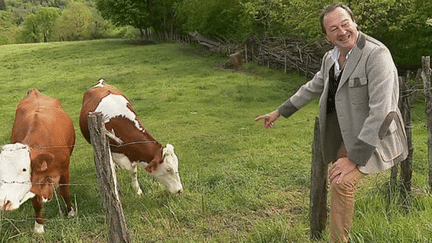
[(37, 161), (139, 148)]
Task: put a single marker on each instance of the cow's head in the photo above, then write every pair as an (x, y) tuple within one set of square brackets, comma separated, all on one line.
[(15, 176), (44, 181), (167, 171)]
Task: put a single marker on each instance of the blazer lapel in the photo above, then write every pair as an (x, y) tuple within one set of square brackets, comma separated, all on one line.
[(353, 59)]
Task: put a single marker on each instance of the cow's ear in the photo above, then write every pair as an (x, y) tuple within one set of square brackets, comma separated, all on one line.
[(168, 149), (151, 167), (42, 161)]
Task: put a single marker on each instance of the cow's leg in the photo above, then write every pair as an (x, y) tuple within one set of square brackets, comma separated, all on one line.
[(64, 192), (123, 161), (135, 184), (37, 205)]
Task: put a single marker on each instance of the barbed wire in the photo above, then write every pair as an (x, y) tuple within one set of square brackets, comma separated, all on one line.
[(61, 184), (82, 145), (40, 183), (410, 92), (47, 219), (61, 213), (132, 143), (407, 93)]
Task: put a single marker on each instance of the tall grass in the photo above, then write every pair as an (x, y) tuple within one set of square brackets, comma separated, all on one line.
[(242, 183)]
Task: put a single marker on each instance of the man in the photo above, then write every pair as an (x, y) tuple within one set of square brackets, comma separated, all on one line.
[(361, 126)]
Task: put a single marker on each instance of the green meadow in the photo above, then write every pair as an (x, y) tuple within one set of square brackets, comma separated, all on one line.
[(242, 183)]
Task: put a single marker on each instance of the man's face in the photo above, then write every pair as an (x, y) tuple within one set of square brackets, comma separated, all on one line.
[(340, 29)]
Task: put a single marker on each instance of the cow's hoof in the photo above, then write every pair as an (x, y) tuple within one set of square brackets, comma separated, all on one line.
[(140, 190), (71, 213), (39, 228)]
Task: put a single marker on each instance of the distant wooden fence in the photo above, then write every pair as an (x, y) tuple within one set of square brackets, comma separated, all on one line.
[(318, 192), (283, 52), (286, 52)]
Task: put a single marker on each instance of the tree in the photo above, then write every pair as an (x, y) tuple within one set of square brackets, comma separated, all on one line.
[(74, 23), (39, 27), (8, 29), (100, 27), (401, 25), (31, 29), (46, 18), (125, 12), (2, 5), (265, 15), (214, 18), (241, 18), (157, 14)]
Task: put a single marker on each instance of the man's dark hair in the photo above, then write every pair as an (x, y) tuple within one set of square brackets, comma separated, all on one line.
[(332, 7)]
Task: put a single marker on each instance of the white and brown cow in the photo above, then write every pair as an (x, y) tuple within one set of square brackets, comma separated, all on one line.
[(37, 161), (139, 148)]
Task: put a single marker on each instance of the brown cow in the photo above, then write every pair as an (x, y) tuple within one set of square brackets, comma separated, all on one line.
[(139, 148), (37, 161)]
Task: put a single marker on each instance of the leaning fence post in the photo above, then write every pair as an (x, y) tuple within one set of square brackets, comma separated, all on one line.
[(107, 180), (426, 75), (318, 191)]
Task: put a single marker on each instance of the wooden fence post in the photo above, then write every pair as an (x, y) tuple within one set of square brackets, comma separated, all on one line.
[(406, 165), (246, 53), (107, 180), (318, 191), (426, 75), (393, 179)]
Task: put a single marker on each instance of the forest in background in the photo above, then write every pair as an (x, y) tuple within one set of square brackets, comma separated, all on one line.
[(33, 21), (405, 26)]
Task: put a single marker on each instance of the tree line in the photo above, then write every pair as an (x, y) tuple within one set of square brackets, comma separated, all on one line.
[(401, 24), (33, 21), (405, 26)]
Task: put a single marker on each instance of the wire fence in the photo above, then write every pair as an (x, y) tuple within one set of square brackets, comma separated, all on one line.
[(61, 205), (415, 89)]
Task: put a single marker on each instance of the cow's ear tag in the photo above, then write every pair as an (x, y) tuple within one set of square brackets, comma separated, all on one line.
[(43, 166)]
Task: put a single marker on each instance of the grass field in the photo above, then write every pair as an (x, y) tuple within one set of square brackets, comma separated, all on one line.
[(242, 183)]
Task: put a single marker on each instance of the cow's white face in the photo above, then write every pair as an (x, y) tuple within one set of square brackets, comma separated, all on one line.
[(15, 183), (167, 172)]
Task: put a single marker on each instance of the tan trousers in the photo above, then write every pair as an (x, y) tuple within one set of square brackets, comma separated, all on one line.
[(342, 204)]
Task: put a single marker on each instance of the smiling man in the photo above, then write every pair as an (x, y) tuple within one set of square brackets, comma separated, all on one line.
[(361, 126)]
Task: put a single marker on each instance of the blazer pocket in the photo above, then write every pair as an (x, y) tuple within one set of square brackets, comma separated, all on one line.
[(358, 90), (393, 146)]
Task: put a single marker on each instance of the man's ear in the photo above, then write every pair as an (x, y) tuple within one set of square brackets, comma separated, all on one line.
[(42, 162)]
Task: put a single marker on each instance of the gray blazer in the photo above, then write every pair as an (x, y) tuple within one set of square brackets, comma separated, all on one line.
[(366, 102)]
